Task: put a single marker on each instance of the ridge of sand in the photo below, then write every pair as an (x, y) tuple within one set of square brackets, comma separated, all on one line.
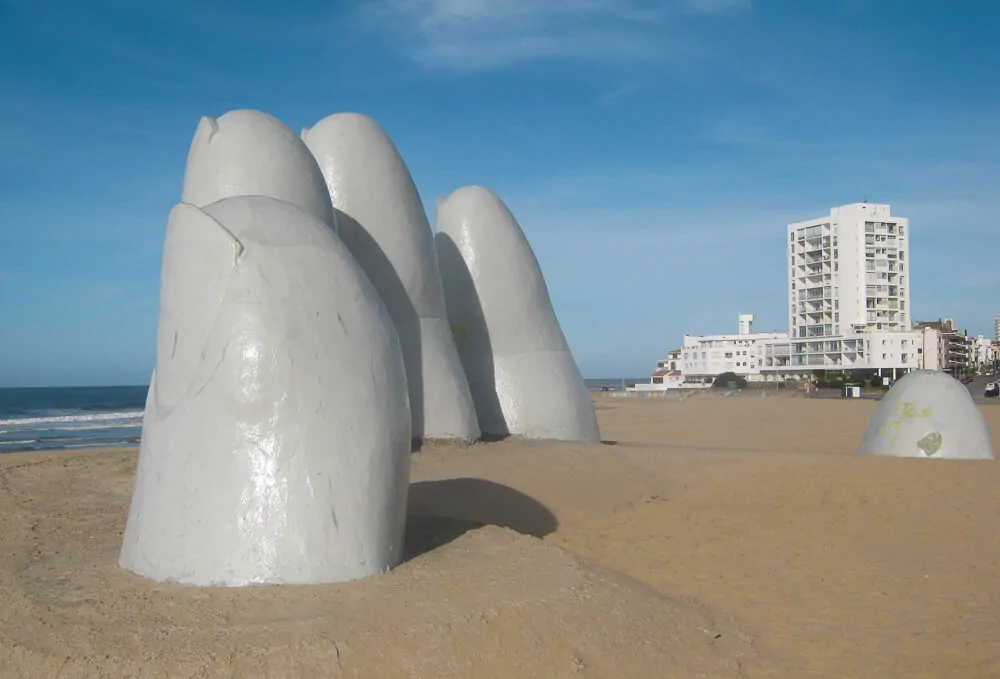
[(488, 603)]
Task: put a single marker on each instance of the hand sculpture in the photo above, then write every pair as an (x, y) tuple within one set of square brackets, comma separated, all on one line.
[(383, 223), (522, 375)]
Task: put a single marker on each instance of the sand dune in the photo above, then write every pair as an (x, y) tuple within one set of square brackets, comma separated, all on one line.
[(709, 536)]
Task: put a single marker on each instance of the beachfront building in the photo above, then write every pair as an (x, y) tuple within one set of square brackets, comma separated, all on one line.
[(848, 294), (848, 272), (668, 375), (984, 352), (848, 308), (670, 364), (880, 352), (703, 357), (996, 328), (955, 349)]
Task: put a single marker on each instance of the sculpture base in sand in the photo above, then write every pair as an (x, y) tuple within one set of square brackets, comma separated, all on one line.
[(470, 601)]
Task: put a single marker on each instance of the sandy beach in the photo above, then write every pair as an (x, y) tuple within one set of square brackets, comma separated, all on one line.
[(707, 537)]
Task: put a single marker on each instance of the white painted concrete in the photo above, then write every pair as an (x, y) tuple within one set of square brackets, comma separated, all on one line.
[(523, 378), (276, 440), (848, 271), (704, 357), (382, 220), (928, 414), (249, 153)]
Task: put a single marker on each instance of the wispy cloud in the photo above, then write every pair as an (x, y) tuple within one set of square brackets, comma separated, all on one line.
[(616, 93), (472, 35)]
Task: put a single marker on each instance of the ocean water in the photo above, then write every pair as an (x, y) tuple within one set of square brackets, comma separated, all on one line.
[(52, 418), (49, 418)]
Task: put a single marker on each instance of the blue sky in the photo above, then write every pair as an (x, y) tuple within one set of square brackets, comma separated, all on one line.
[(652, 151)]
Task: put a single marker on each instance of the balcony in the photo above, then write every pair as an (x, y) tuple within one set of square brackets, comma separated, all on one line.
[(815, 244), (811, 360), (819, 330)]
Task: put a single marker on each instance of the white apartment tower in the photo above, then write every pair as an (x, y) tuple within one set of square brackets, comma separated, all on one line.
[(848, 273)]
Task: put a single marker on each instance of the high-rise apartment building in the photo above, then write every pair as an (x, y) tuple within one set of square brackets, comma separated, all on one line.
[(848, 273), (996, 328), (848, 310)]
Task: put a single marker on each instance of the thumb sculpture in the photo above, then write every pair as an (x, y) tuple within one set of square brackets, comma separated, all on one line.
[(249, 153), (276, 438), (276, 435), (382, 221), (928, 414), (522, 375)]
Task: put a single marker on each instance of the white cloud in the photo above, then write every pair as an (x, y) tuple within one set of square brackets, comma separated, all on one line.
[(470, 35)]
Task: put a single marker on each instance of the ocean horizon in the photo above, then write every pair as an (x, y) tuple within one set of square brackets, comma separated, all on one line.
[(62, 418)]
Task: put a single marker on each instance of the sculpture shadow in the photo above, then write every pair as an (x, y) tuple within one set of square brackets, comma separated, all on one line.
[(474, 346), (442, 511), (390, 287)]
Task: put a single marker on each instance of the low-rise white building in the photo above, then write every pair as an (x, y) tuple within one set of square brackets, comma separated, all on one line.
[(668, 375), (886, 353), (775, 356), (703, 357), (984, 353)]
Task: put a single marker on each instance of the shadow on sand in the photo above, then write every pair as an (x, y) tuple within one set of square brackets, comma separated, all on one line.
[(442, 511)]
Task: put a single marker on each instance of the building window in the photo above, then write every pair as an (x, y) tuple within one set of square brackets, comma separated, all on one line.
[(729, 354)]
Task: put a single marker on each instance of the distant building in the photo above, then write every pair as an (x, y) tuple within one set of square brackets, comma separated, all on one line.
[(671, 363), (996, 328), (668, 375), (848, 273), (703, 357), (848, 311), (879, 351), (955, 348), (985, 355)]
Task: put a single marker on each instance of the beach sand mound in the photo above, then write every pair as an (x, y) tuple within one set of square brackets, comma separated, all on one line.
[(471, 601)]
